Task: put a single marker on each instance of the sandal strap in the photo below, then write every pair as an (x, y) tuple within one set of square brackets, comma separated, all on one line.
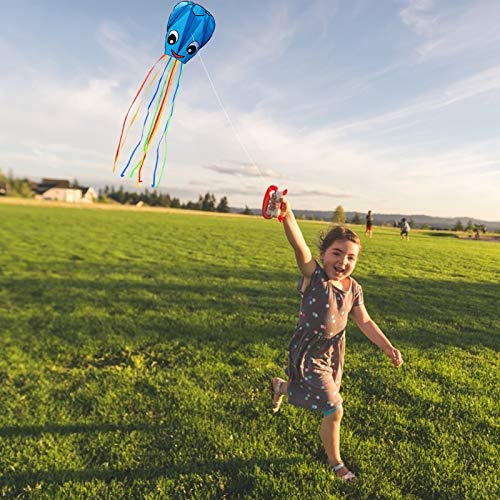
[(276, 396), (277, 392), (280, 382), (345, 477)]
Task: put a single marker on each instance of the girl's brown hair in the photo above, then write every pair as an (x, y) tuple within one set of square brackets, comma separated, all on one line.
[(341, 233)]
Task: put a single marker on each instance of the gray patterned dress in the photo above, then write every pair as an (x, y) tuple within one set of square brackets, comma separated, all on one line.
[(316, 350)]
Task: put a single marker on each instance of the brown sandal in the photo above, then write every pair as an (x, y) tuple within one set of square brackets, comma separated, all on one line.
[(276, 403)]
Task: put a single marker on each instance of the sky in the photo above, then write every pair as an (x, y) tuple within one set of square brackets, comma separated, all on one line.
[(384, 105)]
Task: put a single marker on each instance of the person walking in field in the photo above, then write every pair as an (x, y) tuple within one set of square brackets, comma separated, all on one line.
[(316, 349), (405, 229), (369, 224)]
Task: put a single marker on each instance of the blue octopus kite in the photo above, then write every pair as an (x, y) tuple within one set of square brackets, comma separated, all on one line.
[(190, 26)]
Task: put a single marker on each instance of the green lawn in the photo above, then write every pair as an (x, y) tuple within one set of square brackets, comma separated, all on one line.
[(136, 350)]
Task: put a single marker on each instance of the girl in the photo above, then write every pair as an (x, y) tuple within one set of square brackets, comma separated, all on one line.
[(316, 350)]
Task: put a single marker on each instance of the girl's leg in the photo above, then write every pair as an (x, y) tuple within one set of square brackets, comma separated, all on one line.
[(330, 437), (279, 388)]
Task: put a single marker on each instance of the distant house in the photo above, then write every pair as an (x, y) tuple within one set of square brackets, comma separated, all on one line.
[(62, 190), (3, 188)]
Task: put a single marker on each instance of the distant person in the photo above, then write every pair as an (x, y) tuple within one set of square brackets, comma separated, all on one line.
[(405, 229), (316, 350), (369, 224)]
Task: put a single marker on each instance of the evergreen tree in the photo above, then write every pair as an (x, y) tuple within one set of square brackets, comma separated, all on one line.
[(165, 200), (223, 205), (208, 202), (356, 219), (339, 215), (469, 227), (191, 205), (458, 226), (246, 211), (120, 195)]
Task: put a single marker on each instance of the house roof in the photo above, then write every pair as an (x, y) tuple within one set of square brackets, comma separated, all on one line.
[(60, 183), (85, 190), (46, 184)]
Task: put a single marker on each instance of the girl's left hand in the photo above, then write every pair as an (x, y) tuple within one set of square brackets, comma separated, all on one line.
[(395, 355)]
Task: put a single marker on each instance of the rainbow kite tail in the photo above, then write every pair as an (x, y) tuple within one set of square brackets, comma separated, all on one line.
[(120, 141)]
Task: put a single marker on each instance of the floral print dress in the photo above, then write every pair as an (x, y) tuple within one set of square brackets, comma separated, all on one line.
[(316, 350)]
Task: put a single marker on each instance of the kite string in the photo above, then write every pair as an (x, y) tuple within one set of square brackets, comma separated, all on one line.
[(229, 119)]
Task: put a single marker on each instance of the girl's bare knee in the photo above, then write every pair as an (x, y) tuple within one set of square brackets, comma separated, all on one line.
[(334, 417)]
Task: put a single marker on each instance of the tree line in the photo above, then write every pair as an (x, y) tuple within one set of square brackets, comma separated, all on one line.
[(207, 202), (23, 188), (340, 217)]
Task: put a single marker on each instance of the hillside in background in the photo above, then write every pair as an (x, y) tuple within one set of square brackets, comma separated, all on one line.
[(390, 219)]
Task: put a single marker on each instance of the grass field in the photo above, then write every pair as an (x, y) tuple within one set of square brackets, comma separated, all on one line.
[(136, 350)]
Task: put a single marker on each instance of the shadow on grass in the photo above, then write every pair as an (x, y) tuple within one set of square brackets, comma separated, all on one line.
[(239, 482), (64, 429), (441, 234), (216, 303), (436, 312)]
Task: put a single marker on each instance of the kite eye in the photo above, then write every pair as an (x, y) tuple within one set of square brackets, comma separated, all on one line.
[(192, 48), (173, 37)]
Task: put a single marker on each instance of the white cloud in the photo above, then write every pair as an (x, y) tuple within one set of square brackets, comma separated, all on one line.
[(132, 57), (243, 170), (418, 15), (255, 46), (478, 84), (455, 32)]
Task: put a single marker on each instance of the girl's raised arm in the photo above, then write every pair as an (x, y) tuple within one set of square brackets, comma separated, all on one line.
[(303, 255)]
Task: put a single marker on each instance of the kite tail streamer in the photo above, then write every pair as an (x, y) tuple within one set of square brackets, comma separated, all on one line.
[(147, 115), (155, 123), (165, 134), (120, 142), (159, 106), (162, 70)]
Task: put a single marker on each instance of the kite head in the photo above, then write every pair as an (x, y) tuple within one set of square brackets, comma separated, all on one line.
[(189, 27)]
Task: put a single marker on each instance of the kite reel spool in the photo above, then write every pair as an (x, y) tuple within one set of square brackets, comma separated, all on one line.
[(272, 194)]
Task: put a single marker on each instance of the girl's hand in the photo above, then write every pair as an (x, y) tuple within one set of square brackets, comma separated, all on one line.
[(283, 204), (395, 355)]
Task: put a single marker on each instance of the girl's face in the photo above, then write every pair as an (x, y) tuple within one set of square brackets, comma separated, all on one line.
[(339, 259)]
